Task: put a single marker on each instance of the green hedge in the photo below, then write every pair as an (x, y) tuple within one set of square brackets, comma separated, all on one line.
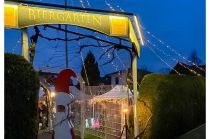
[(170, 105), (21, 98)]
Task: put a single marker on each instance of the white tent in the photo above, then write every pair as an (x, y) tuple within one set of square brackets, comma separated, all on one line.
[(118, 93)]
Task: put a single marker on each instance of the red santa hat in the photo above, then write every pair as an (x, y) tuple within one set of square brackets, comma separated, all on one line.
[(63, 80)]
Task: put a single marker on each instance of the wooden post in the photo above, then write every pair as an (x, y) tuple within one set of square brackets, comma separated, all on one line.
[(134, 74), (24, 33), (66, 42), (122, 118), (82, 102)]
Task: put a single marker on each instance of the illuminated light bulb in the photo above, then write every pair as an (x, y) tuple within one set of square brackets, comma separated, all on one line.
[(52, 94), (108, 55), (125, 110)]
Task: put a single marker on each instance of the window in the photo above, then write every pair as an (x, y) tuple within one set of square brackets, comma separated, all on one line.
[(117, 80)]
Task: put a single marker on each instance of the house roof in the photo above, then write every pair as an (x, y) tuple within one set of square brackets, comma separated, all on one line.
[(185, 69)]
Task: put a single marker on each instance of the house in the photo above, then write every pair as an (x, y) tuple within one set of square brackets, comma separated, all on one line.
[(115, 78), (185, 69), (122, 77)]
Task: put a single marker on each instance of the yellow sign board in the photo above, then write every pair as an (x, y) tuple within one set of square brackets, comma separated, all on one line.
[(22, 16), (119, 26), (11, 15)]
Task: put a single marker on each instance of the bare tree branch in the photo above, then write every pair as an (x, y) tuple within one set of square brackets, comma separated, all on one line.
[(61, 39), (91, 45), (113, 48), (105, 52), (87, 36), (116, 47), (113, 57)]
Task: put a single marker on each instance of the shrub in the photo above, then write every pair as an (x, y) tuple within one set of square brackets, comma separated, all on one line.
[(21, 98), (170, 105)]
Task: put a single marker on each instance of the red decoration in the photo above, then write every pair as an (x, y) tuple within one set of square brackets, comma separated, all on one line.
[(62, 82)]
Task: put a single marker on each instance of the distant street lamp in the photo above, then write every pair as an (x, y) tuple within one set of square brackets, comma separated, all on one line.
[(125, 111), (125, 127), (126, 124)]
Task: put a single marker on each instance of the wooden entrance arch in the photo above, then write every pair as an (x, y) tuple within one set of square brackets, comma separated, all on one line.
[(21, 16)]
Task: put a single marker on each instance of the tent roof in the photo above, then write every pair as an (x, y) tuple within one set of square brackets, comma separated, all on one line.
[(119, 92)]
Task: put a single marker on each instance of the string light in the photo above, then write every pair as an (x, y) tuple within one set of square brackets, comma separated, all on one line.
[(124, 67), (171, 49), (88, 3), (115, 66), (107, 53), (174, 59), (108, 56), (16, 45), (120, 8), (109, 5), (82, 3), (167, 46), (163, 60)]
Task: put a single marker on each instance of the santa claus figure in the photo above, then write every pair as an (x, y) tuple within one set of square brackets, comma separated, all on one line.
[(63, 127)]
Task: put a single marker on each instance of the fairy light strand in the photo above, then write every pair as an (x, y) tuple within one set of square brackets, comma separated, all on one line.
[(171, 49), (88, 3), (117, 56), (82, 3), (81, 55), (121, 9), (174, 59), (109, 5), (162, 60), (116, 67), (16, 45), (118, 6), (107, 53)]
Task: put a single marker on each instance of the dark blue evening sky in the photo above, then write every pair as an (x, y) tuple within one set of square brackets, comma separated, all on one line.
[(178, 23)]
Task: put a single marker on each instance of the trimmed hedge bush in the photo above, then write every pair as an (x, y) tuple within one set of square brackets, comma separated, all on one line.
[(21, 98), (170, 105)]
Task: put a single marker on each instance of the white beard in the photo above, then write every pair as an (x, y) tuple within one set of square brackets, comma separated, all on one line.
[(62, 129)]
